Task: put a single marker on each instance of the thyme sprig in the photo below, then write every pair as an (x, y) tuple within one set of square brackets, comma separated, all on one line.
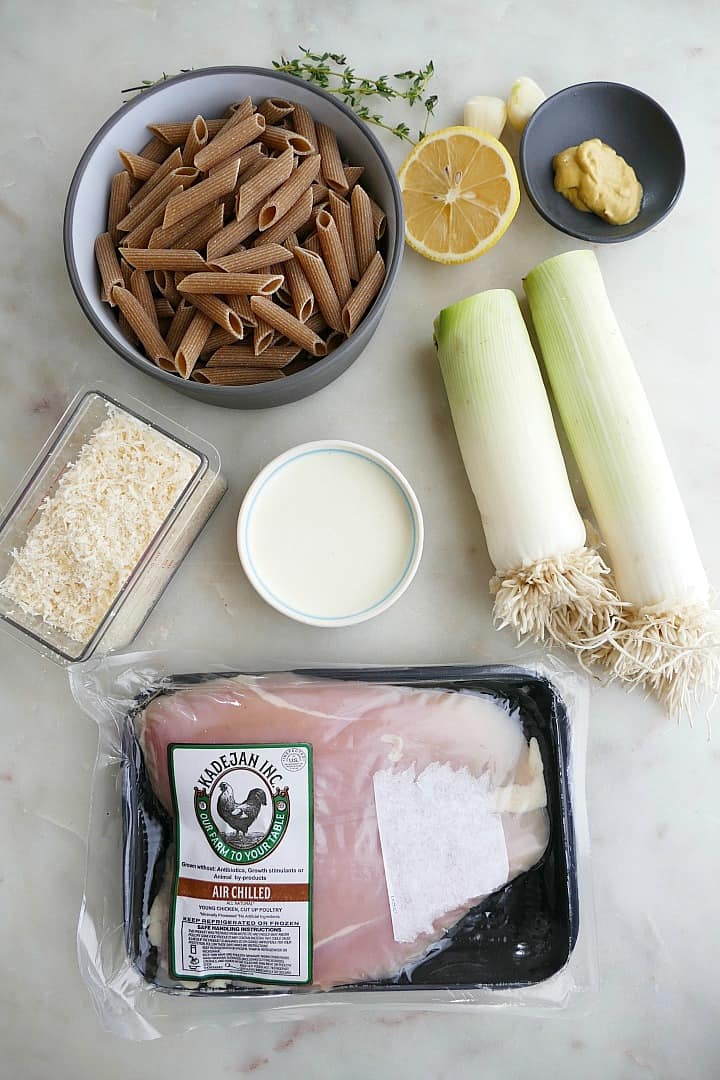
[(332, 73), (147, 83)]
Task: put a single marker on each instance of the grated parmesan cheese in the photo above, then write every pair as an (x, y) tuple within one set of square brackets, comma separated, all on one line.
[(92, 531)]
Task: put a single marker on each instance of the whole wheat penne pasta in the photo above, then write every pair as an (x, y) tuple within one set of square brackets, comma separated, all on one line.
[(301, 294), (164, 309), (275, 109), (237, 376), (176, 134), (220, 313), (202, 194), (320, 193), (229, 238), (181, 177), (256, 189), (317, 324), (241, 306), (237, 112), (155, 150), (332, 167), (127, 273), (231, 284), (321, 284), (198, 235), (141, 234), (289, 222), (364, 293), (282, 296), (178, 275), (218, 339), (164, 281), (245, 262), (342, 216), (333, 255), (184, 315), (363, 227), (164, 259), (167, 238), (126, 330), (172, 161), (244, 356), (288, 325), (353, 174), (277, 138), (120, 190), (140, 288), (137, 166), (379, 219), (260, 162), (263, 336), (288, 194), (192, 342), (248, 156), (108, 265), (304, 124), (142, 324), (197, 138), (230, 140), (312, 243), (334, 339)]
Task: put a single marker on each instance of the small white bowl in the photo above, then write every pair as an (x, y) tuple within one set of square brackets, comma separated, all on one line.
[(330, 533)]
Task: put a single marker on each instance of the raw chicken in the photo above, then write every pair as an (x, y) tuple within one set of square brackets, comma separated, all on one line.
[(356, 730)]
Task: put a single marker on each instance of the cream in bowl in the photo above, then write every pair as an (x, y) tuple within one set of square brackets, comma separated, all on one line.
[(330, 533)]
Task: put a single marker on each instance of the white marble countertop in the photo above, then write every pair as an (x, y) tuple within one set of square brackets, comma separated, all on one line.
[(652, 786)]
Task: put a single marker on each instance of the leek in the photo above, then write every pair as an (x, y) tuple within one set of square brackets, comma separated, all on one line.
[(548, 583), (667, 638)]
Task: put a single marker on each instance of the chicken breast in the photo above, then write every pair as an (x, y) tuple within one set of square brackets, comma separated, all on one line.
[(356, 731)]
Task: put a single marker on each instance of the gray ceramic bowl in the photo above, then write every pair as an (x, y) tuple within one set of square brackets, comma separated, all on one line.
[(624, 118), (209, 91)]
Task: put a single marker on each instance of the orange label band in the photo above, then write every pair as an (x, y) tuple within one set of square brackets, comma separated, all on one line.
[(235, 893)]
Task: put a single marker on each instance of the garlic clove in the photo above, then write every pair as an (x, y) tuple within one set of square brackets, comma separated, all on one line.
[(524, 97), (486, 114)]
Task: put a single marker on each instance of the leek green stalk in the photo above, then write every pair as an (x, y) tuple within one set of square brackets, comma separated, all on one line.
[(667, 639), (548, 583)]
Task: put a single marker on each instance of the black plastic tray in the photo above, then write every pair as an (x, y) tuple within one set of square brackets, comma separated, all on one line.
[(518, 936)]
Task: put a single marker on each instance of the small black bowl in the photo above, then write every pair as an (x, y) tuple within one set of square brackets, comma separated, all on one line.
[(626, 119)]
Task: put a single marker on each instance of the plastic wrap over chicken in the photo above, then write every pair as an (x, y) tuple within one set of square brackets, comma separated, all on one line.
[(424, 801)]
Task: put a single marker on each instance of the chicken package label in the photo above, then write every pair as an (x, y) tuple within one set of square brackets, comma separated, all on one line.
[(242, 895)]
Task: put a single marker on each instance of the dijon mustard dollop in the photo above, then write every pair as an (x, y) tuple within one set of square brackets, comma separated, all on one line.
[(595, 179)]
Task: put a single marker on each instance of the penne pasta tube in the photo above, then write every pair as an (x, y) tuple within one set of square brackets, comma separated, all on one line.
[(288, 194), (136, 166), (277, 138), (184, 315), (241, 306), (167, 238), (218, 339), (155, 150), (312, 243), (227, 284), (188, 351), (321, 284), (220, 313), (379, 219), (197, 138), (246, 158), (317, 323), (353, 174), (245, 262), (363, 228), (181, 178), (301, 295), (199, 234), (142, 324), (363, 295), (288, 223), (238, 112), (140, 288), (342, 216), (202, 194), (172, 161), (256, 189), (260, 162), (164, 259), (176, 134), (109, 267), (334, 338), (263, 335), (230, 140), (304, 125), (232, 236), (332, 169), (287, 325), (275, 109), (165, 284), (127, 273), (320, 194), (334, 256), (244, 356), (120, 190), (164, 309), (237, 376)]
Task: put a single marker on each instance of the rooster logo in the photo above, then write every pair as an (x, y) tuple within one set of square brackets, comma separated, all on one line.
[(240, 815)]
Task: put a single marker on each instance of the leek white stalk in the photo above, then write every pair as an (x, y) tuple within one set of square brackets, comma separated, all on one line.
[(548, 585), (668, 639)]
